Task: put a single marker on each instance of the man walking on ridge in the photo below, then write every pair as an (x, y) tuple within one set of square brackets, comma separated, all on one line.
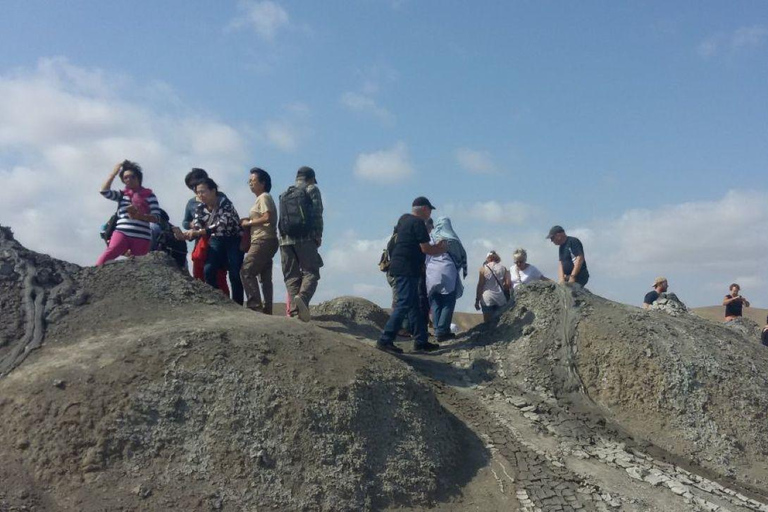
[(660, 286), (301, 234), (406, 264), (573, 266)]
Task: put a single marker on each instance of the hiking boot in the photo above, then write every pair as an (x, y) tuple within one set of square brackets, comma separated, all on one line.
[(446, 337), (302, 308), (389, 347), (425, 347)]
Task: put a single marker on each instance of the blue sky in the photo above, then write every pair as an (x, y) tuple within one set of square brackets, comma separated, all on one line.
[(642, 127)]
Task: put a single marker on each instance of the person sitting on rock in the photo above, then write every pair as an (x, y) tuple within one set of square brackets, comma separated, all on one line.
[(660, 285), (764, 335), (137, 207), (523, 272), (406, 264), (493, 286), (734, 303), (573, 265)]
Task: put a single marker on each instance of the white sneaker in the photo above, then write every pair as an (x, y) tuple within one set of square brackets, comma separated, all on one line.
[(301, 306)]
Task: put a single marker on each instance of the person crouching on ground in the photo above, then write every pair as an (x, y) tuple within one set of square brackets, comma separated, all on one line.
[(216, 217), (660, 285), (407, 260), (137, 207), (734, 303), (523, 272), (257, 265), (198, 263), (493, 287), (573, 265), (443, 283)]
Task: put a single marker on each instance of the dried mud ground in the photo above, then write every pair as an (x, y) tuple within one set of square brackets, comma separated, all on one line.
[(152, 392)]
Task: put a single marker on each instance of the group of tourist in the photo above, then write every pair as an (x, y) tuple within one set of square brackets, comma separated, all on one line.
[(227, 245), (426, 263)]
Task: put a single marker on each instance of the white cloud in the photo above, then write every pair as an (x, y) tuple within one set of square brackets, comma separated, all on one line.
[(493, 212), (385, 167), (286, 132), (366, 104), (477, 162), (63, 127), (282, 135), (740, 39), (712, 236), (266, 18)]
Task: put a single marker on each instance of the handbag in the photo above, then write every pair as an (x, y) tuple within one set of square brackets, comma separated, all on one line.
[(503, 290), (200, 252)]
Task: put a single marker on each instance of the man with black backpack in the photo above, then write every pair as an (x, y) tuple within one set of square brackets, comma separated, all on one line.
[(301, 234)]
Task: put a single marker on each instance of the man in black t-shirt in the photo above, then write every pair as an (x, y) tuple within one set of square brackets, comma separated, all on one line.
[(406, 263), (573, 266), (660, 286), (734, 303)]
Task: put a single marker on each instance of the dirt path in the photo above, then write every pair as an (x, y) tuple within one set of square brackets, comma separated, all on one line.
[(555, 454)]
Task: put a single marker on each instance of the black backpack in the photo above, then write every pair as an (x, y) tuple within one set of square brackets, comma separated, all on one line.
[(295, 212), (166, 242), (109, 228)]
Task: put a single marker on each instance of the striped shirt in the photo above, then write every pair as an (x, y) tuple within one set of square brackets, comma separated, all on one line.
[(132, 227)]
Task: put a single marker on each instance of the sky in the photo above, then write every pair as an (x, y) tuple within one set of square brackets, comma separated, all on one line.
[(640, 127)]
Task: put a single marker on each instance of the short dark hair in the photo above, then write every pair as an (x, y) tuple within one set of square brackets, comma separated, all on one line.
[(263, 177), (135, 168), (194, 176), (208, 182), (734, 284)]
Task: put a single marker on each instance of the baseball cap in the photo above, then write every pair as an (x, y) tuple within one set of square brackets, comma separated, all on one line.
[(555, 230), (658, 281), (306, 173), (423, 201)]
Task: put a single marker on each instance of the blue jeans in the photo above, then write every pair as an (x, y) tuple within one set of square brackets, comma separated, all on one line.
[(442, 311), (407, 305), (224, 252)]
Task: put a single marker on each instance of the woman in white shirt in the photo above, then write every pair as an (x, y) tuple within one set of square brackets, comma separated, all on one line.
[(493, 287), (523, 272)]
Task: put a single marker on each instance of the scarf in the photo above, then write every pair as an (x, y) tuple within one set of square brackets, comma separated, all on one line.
[(444, 231), (138, 198)]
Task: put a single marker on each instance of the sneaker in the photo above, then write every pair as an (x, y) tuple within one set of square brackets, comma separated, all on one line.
[(425, 347), (301, 306), (446, 337), (389, 347)]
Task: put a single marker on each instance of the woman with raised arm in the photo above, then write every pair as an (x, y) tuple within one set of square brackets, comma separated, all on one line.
[(215, 216), (137, 207)]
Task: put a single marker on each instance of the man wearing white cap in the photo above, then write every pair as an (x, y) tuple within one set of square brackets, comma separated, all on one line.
[(660, 286)]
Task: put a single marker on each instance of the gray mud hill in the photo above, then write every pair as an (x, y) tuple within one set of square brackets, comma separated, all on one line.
[(157, 393), (151, 391)]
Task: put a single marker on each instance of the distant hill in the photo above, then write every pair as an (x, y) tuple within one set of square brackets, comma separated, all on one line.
[(717, 313)]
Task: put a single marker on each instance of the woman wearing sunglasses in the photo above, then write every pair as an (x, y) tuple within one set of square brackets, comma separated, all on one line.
[(137, 207)]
